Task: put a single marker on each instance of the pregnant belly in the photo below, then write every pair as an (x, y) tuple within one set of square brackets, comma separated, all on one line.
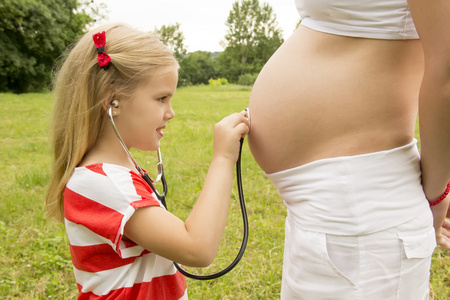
[(307, 105)]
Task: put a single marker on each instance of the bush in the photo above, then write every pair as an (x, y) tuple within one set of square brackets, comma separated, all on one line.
[(217, 82), (247, 79)]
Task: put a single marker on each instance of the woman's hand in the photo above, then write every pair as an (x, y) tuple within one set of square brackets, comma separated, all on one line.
[(442, 230)]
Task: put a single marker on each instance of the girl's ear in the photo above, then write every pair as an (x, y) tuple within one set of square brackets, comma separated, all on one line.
[(111, 103), (105, 104), (108, 100), (110, 96), (114, 104)]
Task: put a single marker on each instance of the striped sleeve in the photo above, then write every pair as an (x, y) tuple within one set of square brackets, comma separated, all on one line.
[(102, 198)]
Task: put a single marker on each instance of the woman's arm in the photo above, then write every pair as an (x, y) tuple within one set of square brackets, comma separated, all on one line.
[(432, 20), (195, 243)]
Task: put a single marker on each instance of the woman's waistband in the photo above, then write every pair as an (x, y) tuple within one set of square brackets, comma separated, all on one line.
[(354, 194)]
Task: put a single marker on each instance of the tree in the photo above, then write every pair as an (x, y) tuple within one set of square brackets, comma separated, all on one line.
[(173, 38), (33, 34), (196, 68), (253, 36)]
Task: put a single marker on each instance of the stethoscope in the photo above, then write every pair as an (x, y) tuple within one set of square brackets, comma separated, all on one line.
[(162, 197)]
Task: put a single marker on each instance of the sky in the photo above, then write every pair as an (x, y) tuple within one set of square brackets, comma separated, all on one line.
[(201, 21)]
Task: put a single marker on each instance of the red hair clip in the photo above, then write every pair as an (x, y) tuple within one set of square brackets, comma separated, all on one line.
[(103, 58)]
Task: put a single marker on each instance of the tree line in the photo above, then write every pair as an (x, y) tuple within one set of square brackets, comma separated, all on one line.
[(34, 34)]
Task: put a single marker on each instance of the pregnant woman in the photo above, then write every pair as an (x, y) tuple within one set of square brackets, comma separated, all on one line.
[(333, 120)]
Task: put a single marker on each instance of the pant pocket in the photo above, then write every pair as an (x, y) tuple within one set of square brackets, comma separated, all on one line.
[(415, 265), (418, 246), (343, 256), (307, 269)]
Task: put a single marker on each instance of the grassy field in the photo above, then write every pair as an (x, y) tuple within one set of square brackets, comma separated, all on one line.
[(34, 255)]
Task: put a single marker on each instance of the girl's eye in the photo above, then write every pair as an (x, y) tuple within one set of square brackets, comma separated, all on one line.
[(162, 99)]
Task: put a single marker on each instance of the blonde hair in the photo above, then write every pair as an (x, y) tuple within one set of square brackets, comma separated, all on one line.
[(82, 88)]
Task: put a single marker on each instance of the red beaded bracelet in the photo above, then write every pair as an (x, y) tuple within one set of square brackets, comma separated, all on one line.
[(447, 190)]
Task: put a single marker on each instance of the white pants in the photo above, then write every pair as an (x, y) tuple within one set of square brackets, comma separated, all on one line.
[(391, 264), (358, 227)]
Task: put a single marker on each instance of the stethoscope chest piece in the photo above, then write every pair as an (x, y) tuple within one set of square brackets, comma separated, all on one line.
[(247, 110)]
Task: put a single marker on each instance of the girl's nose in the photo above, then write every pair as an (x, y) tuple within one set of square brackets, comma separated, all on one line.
[(169, 113)]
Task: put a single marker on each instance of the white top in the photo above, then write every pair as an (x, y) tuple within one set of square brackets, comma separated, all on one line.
[(381, 19)]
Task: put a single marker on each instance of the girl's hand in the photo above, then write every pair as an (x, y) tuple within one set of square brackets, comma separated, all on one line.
[(227, 135)]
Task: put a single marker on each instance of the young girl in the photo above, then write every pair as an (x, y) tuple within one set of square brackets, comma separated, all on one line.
[(122, 240)]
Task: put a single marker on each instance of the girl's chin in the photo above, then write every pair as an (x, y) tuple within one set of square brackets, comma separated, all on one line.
[(153, 147)]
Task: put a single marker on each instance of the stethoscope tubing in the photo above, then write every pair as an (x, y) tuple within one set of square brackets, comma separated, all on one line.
[(245, 234)]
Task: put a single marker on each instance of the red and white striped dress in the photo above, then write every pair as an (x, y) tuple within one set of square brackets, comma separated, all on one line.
[(98, 201)]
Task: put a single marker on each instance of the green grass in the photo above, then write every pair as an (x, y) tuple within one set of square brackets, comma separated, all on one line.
[(34, 255)]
